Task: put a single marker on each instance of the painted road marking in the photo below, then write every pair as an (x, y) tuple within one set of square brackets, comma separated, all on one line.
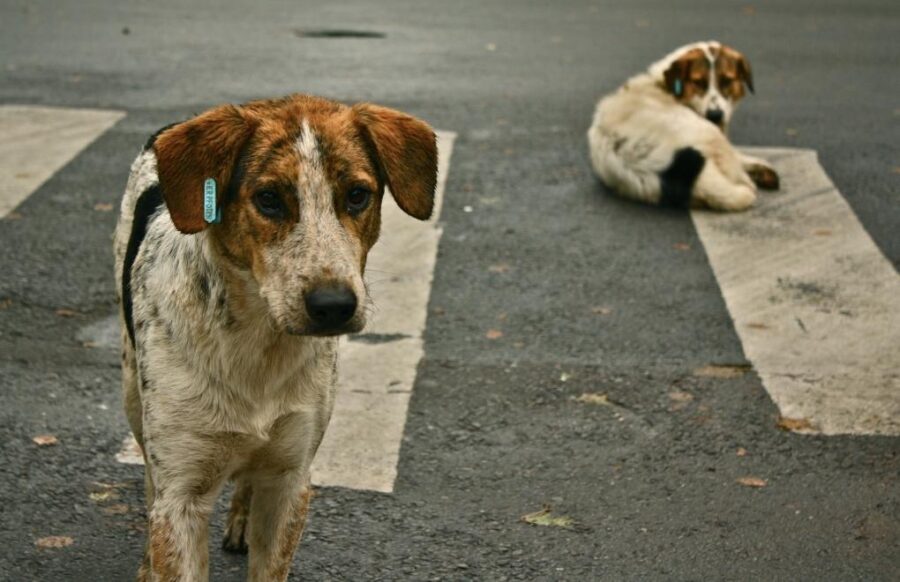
[(362, 443), (376, 369), (815, 302), (35, 142)]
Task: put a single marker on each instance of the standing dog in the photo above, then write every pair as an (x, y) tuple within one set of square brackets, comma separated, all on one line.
[(661, 137), (240, 252)]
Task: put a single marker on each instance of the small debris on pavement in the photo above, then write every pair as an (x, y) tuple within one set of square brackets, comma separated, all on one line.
[(63, 312), (564, 377), (45, 440), (493, 334), (752, 482), (5, 304), (681, 246), (544, 517), (499, 268), (54, 542), (601, 310), (103, 207), (594, 398), (721, 371), (785, 423), (741, 452)]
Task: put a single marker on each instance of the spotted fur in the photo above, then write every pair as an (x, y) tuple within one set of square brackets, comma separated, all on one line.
[(683, 103), (227, 374)]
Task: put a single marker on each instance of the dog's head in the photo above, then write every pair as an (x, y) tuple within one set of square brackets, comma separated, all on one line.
[(708, 77), (300, 182)]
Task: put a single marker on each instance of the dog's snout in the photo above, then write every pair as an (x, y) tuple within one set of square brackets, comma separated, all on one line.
[(716, 116), (331, 307)]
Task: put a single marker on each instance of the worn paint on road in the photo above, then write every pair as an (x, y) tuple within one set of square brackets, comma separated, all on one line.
[(815, 302)]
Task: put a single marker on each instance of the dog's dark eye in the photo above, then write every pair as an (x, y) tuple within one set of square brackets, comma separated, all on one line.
[(269, 204), (358, 199)]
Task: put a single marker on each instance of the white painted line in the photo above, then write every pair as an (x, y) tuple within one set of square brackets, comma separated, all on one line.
[(362, 443), (378, 369), (35, 142), (814, 301)]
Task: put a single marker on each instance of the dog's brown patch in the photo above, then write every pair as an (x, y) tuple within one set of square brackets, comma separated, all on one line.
[(290, 537), (163, 553), (733, 73)]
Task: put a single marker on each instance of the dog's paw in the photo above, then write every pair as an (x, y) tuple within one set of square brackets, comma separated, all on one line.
[(765, 177), (234, 542)]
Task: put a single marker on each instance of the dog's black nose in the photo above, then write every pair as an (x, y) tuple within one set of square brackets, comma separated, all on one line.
[(331, 307), (716, 116)]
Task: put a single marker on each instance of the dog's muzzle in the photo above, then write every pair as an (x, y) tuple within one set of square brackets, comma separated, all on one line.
[(717, 116)]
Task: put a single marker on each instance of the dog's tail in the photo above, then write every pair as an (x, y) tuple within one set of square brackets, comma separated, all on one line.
[(677, 181)]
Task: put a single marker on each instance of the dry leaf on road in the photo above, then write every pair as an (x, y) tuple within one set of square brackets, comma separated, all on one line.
[(45, 440), (493, 334), (64, 312), (785, 423), (54, 542), (752, 482), (544, 517), (103, 207), (594, 398), (721, 371)]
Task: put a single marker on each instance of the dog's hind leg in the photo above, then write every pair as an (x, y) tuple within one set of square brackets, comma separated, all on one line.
[(714, 190), (762, 174), (235, 539)]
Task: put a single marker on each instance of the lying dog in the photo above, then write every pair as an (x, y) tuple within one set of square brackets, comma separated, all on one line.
[(661, 138), (240, 252)]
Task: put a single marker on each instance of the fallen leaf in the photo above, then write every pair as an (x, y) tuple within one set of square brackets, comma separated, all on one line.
[(601, 310), (741, 452), (679, 396), (721, 371), (499, 268), (102, 496), (54, 542), (681, 246), (544, 517), (757, 325), (45, 440), (116, 509), (785, 423), (5, 304), (493, 334), (822, 232), (103, 207), (63, 312), (89, 345), (752, 482), (594, 398)]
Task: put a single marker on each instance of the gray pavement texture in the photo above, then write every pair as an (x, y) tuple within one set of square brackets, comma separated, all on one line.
[(493, 432)]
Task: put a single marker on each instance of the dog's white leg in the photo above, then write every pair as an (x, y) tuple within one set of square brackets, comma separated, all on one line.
[(716, 191), (759, 170), (277, 518)]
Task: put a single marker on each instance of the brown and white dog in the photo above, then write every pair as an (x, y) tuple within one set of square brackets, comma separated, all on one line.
[(661, 137), (229, 320)]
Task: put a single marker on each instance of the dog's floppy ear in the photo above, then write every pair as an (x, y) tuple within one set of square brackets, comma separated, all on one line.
[(189, 153), (676, 76), (745, 74), (407, 153)]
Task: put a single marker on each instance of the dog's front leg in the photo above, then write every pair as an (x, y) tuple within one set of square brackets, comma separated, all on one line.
[(277, 518), (186, 481)]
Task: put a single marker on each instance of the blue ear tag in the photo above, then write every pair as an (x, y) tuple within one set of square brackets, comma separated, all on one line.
[(211, 211), (678, 88)]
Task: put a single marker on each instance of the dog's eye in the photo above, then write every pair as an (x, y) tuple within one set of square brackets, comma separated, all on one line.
[(269, 204), (358, 199)]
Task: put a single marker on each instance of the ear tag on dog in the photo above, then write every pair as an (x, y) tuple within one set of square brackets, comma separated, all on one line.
[(678, 87), (211, 211)]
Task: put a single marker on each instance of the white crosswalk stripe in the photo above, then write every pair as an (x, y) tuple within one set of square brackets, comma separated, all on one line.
[(815, 302), (35, 142)]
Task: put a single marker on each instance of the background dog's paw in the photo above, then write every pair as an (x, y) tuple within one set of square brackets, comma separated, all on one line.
[(765, 177), (234, 541)]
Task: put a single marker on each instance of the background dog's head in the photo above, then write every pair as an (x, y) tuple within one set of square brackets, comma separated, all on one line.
[(708, 77), (300, 183)]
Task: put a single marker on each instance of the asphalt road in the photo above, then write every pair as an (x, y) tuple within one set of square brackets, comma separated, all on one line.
[(592, 294)]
